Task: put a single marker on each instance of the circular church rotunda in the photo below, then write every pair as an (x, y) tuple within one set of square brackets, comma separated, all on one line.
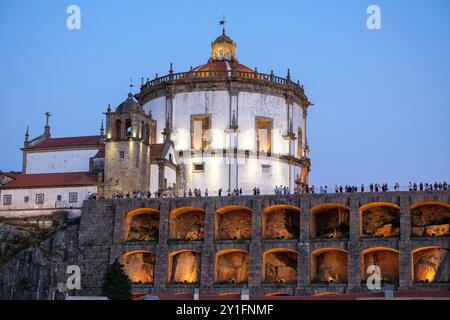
[(232, 127)]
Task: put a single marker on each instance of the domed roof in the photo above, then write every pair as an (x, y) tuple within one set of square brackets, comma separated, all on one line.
[(223, 38), (129, 105), (222, 66)]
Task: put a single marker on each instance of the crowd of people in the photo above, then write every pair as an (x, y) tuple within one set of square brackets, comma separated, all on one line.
[(383, 187), (278, 190), (134, 195), (282, 190), (428, 186)]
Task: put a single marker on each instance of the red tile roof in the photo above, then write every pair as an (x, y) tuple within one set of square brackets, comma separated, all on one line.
[(68, 142), (101, 152), (45, 180), (222, 65), (156, 149)]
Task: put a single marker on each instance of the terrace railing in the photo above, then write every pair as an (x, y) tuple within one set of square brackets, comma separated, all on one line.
[(223, 75)]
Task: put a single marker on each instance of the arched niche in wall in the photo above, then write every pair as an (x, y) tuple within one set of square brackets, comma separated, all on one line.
[(139, 266), (231, 266), (280, 266), (184, 266), (431, 264), (233, 223), (281, 222), (380, 219), (430, 219), (387, 259), (329, 265), (329, 220), (142, 225), (187, 223)]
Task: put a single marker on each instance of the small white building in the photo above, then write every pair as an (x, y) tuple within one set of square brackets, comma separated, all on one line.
[(42, 194)]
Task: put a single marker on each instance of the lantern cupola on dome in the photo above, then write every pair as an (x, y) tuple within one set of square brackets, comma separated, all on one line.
[(223, 48)]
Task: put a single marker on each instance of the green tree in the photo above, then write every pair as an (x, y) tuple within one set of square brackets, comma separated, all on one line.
[(116, 284)]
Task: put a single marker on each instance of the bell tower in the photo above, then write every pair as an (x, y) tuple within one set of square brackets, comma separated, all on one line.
[(127, 148)]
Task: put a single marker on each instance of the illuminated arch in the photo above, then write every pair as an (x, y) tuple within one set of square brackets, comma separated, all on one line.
[(188, 273), (187, 223), (227, 251), (137, 211), (231, 266), (153, 223), (129, 253), (139, 265), (429, 202), (228, 209), (233, 223), (281, 206), (281, 221), (378, 204), (280, 250), (387, 259), (426, 262), (230, 294), (284, 266), (325, 223), (325, 294), (373, 249), (329, 265), (277, 294), (323, 250), (182, 210), (322, 206), (387, 230), (437, 222), (183, 294)]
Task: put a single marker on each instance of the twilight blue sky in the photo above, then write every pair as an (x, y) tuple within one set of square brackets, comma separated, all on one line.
[(382, 97)]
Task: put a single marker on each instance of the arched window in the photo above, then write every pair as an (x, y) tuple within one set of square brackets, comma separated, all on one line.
[(220, 54), (142, 130), (128, 128), (200, 126), (118, 134), (264, 134)]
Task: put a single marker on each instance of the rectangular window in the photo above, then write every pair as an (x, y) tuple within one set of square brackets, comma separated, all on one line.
[(58, 197), (73, 197), (26, 199), (266, 169), (7, 200), (121, 154), (40, 198), (299, 143), (198, 167), (200, 125), (264, 134)]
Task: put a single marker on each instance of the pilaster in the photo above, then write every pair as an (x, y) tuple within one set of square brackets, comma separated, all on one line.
[(255, 249)]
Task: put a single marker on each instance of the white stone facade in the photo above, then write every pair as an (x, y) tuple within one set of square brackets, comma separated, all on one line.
[(59, 161), (227, 172)]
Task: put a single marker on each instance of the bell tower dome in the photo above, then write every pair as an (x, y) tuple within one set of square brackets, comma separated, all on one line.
[(127, 148), (223, 48)]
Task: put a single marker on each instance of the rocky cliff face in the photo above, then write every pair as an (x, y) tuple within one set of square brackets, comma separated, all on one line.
[(33, 261)]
